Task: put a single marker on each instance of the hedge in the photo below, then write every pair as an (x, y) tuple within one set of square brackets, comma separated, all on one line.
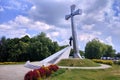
[(109, 62)]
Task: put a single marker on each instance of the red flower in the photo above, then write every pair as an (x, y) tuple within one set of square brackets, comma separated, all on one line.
[(53, 68), (48, 72), (28, 76), (36, 74), (42, 72)]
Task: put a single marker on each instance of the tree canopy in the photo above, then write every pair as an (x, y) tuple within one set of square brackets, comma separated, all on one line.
[(95, 50), (26, 48)]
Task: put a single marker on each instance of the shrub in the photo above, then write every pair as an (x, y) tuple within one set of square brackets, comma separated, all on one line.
[(109, 62), (4, 63), (41, 73)]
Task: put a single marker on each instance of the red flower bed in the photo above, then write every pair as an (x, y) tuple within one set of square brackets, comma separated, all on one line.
[(53, 68), (42, 72)]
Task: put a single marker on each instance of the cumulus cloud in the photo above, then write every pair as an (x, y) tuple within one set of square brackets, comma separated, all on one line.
[(15, 4), (85, 37), (99, 19), (50, 11), (21, 25), (94, 16), (1, 9), (88, 27), (109, 40)]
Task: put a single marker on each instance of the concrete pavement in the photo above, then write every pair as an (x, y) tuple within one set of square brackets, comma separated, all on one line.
[(103, 66), (12, 72)]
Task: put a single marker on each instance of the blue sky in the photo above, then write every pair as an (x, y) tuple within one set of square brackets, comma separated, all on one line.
[(100, 19)]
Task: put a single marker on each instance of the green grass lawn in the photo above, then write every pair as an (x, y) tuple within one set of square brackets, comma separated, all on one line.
[(77, 63), (77, 74)]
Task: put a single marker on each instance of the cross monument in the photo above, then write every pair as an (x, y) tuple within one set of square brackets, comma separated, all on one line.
[(74, 34)]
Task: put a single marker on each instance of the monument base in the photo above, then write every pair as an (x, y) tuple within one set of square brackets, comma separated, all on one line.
[(77, 55)]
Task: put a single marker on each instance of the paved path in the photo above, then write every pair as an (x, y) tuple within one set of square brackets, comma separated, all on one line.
[(17, 72), (103, 66), (12, 72)]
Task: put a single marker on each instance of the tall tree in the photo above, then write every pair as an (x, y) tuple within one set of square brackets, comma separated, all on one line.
[(110, 52), (82, 53), (3, 49), (26, 38), (94, 49), (26, 48), (118, 55)]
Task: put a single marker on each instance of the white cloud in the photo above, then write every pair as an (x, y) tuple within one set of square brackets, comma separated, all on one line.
[(1, 9), (109, 41), (22, 20), (86, 37), (41, 26), (88, 27), (21, 25), (65, 42), (16, 5), (97, 33), (2, 26), (12, 33), (33, 8), (55, 33)]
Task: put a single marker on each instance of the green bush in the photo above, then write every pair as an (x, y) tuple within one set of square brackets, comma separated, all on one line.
[(109, 62)]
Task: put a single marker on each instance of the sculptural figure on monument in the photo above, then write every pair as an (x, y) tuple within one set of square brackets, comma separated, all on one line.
[(70, 41)]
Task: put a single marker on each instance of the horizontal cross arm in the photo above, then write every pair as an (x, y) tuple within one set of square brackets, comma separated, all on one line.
[(77, 12), (67, 17)]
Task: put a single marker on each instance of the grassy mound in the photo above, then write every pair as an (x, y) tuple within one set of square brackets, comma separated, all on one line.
[(77, 63)]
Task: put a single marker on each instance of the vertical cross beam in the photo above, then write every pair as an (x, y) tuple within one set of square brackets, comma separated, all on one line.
[(74, 34)]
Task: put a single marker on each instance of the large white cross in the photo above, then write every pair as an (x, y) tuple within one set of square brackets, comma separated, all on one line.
[(74, 34)]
